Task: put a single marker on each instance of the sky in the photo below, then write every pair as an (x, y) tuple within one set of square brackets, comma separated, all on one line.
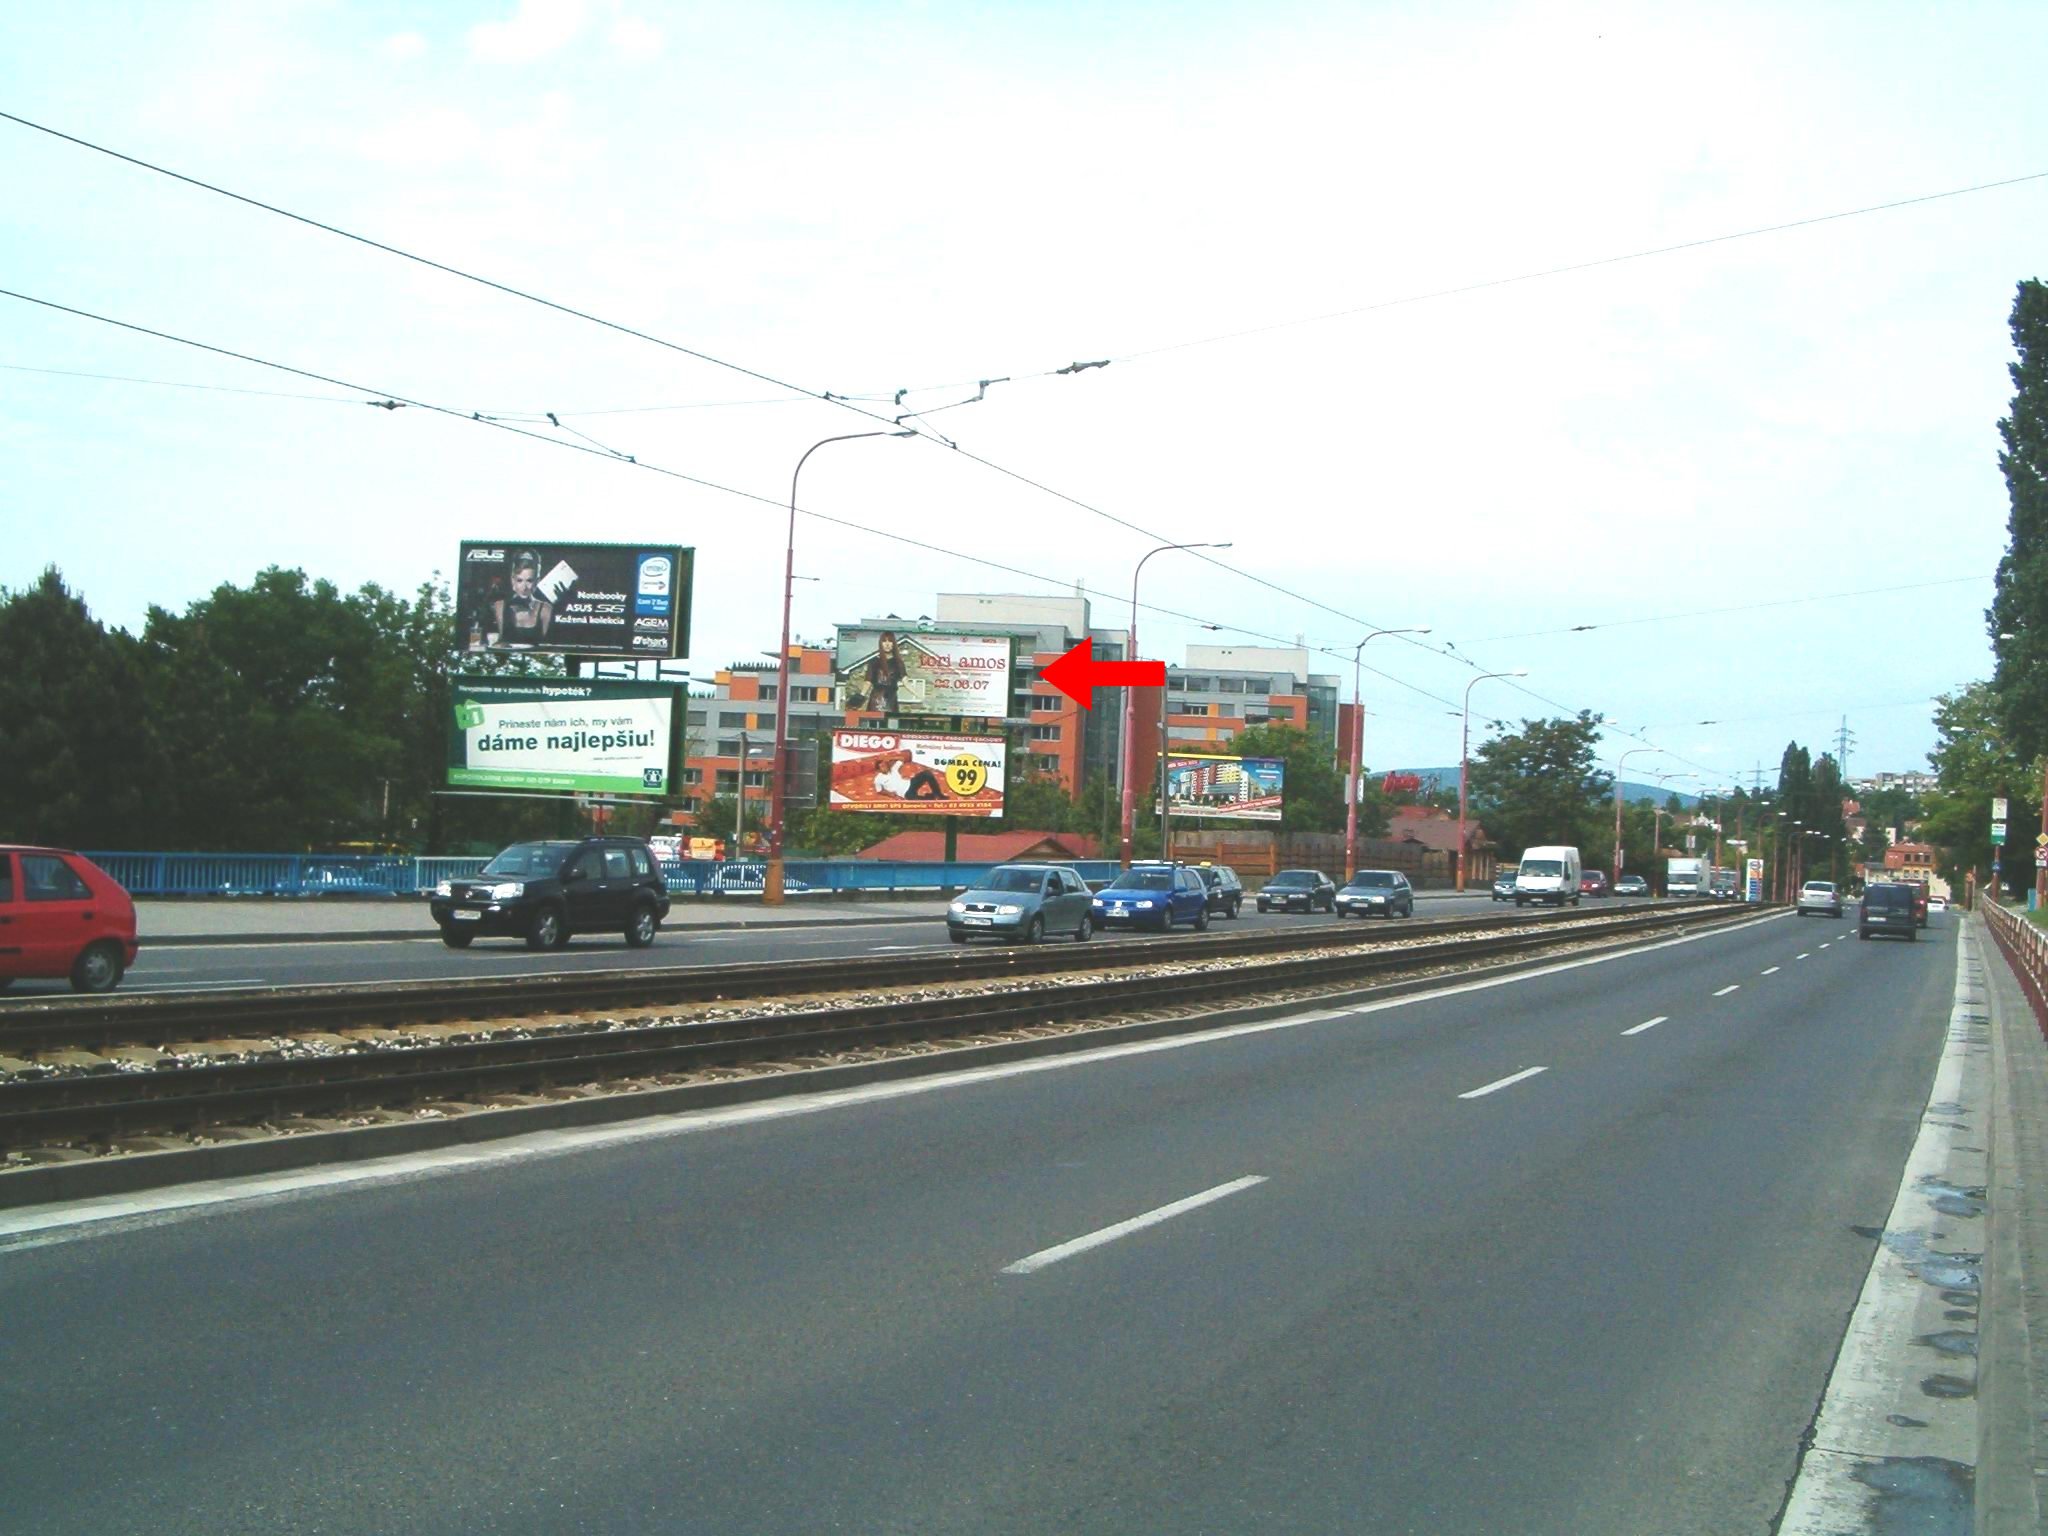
[(1306, 238)]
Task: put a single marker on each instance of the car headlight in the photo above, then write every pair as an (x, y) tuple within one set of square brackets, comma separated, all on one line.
[(958, 906), (1095, 902), (1008, 909), (1144, 906), (511, 890), (445, 888)]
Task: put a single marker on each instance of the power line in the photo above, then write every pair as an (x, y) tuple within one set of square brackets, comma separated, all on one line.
[(614, 456), (1698, 613), (1585, 266), (225, 389)]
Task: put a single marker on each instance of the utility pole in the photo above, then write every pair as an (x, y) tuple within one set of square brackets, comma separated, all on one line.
[(1844, 739)]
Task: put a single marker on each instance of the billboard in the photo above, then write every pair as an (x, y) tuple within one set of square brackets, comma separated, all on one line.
[(578, 734), (1226, 788), (581, 599), (917, 772), (907, 672)]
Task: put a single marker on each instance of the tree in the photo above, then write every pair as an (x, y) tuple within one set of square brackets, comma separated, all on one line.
[(1975, 765), (1539, 785), (81, 766), (1036, 802), (2019, 608)]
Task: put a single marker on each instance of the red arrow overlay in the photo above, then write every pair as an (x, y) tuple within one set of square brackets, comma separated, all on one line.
[(1078, 674)]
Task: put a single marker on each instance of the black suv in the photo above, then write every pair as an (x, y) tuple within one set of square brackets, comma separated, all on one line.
[(1887, 908), (544, 892), (1226, 891)]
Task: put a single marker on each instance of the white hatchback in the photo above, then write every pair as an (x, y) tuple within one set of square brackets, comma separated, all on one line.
[(1819, 896)]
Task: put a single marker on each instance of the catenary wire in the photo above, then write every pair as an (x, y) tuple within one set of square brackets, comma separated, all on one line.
[(1699, 613)]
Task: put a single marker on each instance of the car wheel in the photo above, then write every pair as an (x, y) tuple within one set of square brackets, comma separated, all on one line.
[(98, 969), (1202, 921), (957, 938), (1862, 933), (1262, 906), (1086, 931), (456, 938), (544, 930), (1235, 904), (640, 932), (1035, 929)]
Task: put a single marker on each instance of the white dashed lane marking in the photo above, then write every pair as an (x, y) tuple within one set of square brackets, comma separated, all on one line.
[(1504, 1082), (1735, 986), (1771, 972), (1152, 1218), (1647, 1024)]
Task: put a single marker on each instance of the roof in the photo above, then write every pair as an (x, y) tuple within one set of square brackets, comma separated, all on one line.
[(983, 847), (1441, 835)]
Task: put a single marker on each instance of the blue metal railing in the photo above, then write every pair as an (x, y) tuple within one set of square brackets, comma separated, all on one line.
[(373, 876)]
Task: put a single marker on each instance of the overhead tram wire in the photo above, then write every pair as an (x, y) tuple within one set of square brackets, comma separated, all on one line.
[(613, 456), (1699, 613), (827, 396)]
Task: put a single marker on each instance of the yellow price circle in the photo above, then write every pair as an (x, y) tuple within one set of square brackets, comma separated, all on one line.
[(966, 774)]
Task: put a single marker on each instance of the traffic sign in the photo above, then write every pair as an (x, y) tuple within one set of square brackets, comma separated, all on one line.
[(1998, 832), (1998, 808), (2041, 858), (2041, 840)]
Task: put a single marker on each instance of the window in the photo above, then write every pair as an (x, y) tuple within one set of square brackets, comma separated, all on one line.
[(1256, 685), (1258, 718), (727, 781), (757, 780), (45, 877), (1192, 709), (642, 865), (1228, 711), (1046, 764), (691, 802), (696, 717), (821, 695), (616, 865), (1199, 684), (590, 865), (693, 775), (728, 746), (6, 879), (1230, 685), (769, 690), (732, 719), (1045, 733)]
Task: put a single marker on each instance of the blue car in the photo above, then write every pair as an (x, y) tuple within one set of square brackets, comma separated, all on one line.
[(1153, 896)]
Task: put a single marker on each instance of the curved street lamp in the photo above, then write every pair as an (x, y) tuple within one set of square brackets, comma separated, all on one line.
[(1130, 752), (1464, 760), (1358, 745)]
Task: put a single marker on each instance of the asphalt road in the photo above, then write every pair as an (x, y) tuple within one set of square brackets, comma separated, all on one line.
[(1463, 1295), (179, 968)]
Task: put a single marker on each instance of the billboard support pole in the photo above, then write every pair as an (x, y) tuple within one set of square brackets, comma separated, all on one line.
[(771, 886)]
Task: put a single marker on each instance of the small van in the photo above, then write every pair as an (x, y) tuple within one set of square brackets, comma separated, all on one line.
[(1548, 874)]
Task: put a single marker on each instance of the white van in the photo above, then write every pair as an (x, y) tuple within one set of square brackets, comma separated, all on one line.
[(1548, 874)]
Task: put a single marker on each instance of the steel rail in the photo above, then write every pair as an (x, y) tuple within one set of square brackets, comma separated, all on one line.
[(161, 1020), (111, 1103)]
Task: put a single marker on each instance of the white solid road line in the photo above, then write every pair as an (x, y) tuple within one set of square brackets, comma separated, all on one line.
[(1647, 1024), (1506, 1082), (1152, 1218), (1731, 987), (1771, 972)]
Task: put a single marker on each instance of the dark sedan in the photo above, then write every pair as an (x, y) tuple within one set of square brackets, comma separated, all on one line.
[(1299, 890), (1631, 885)]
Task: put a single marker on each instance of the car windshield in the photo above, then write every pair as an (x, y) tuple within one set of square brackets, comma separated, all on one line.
[(1210, 877), (1142, 880), (1542, 866), (1294, 877), (1013, 880), (1888, 896), (1372, 877), (529, 859)]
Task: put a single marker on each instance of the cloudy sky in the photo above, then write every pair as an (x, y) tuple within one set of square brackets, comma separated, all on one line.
[(1287, 226)]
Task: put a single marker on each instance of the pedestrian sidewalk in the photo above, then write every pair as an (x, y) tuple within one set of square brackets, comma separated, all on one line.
[(258, 920)]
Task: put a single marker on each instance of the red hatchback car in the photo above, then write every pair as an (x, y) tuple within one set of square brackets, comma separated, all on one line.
[(62, 915)]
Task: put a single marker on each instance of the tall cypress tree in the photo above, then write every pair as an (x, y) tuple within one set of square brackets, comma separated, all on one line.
[(2020, 607)]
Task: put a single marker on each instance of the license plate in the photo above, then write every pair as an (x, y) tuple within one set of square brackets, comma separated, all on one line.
[(978, 922), (465, 917)]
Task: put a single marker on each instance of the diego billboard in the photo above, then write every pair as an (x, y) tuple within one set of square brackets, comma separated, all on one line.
[(908, 672), (578, 734), (1226, 788), (917, 772), (577, 599)]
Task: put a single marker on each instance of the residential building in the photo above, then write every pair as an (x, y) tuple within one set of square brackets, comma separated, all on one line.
[(1221, 690)]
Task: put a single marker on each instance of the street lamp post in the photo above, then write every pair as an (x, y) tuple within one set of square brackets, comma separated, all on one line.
[(1464, 760), (1358, 745), (1129, 746), (771, 891), (1631, 752)]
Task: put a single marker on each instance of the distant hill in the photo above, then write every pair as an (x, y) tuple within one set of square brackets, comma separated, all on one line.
[(1630, 790)]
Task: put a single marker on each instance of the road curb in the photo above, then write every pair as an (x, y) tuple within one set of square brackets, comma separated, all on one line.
[(382, 935), (59, 1182)]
